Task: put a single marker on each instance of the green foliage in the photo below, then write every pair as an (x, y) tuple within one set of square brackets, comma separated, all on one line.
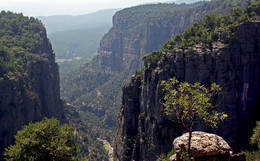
[(76, 83), (252, 156), (66, 67), (150, 60), (170, 44), (255, 139), (164, 157), (188, 102), (20, 41), (206, 32), (253, 9), (201, 32), (86, 134), (44, 140), (134, 18)]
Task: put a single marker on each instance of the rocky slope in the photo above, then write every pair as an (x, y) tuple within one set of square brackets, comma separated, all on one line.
[(145, 131), (96, 87), (33, 91)]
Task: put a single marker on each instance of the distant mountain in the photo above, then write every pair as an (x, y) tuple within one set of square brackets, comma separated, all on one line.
[(65, 22), (77, 36), (188, 1)]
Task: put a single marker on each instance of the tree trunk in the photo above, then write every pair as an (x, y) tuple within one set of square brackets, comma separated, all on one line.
[(189, 142)]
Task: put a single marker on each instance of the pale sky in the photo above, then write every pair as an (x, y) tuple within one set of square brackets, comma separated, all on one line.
[(67, 7)]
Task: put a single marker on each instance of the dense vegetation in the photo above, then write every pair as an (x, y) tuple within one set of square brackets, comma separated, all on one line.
[(155, 13), (86, 135), (66, 67), (20, 41), (86, 81), (206, 32), (44, 140), (255, 139), (101, 120)]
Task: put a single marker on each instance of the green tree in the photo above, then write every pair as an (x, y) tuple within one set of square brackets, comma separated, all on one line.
[(188, 102), (255, 139), (44, 140)]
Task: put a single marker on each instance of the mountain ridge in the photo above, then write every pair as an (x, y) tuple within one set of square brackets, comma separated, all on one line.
[(68, 22)]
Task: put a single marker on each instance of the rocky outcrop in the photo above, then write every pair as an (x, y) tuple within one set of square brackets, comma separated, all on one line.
[(204, 146), (31, 95), (145, 131)]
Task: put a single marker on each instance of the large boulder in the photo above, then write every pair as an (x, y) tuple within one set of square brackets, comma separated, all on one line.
[(204, 146)]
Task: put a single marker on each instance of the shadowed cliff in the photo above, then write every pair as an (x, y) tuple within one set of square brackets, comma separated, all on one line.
[(29, 86)]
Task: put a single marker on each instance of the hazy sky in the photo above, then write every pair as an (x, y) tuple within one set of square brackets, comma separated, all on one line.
[(67, 7)]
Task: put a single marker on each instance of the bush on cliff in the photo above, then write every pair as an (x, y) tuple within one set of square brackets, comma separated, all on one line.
[(206, 32)]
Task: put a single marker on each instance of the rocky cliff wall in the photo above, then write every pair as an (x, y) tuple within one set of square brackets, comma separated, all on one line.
[(142, 29), (123, 46), (136, 31), (145, 131), (31, 95)]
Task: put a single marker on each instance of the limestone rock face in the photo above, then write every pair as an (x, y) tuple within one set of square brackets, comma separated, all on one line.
[(145, 132), (202, 144)]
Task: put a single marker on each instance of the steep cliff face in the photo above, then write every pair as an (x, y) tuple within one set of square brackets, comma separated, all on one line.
[(136, 31), (32, 92), (142, 29), (145, 131)]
